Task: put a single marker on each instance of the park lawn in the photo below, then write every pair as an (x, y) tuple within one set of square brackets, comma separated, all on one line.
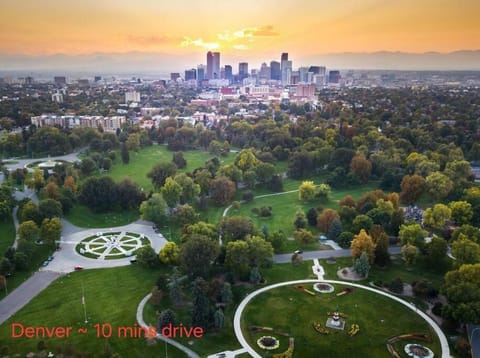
[(284, 207), (294, 312), (143, 161), (82, 216), (111, 296), (225, 339), (41, 254), (7, 234), (395, 269)]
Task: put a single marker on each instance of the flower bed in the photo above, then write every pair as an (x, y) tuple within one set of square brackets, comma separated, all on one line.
[(268, 343), (323, 287)]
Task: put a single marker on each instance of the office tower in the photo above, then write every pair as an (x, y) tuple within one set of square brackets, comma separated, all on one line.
[(228, 73), (242, 70), (174, 76), (303, 74), (284, 56), (200, 73), (334, 77), (275, 73), (286, 68), (213, 65), (97, 78), (60, 81), (264, 72), (190, 74)]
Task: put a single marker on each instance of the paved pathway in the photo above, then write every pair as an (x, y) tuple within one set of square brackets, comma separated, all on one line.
[(19, 297), (142, 323), (21, 163), (318, 269), (249, 297)]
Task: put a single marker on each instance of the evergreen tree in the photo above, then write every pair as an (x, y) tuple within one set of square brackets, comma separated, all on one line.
[(165, 318), (219, 319), (125, 154), (202, 314)]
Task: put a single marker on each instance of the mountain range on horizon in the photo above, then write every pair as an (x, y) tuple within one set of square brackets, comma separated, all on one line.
[(152, 62)]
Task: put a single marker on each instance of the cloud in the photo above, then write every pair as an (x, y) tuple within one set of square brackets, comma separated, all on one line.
[(232, 39), (199, 43)]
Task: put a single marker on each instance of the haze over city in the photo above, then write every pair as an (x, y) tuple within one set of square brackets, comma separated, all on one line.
[(152, 35)]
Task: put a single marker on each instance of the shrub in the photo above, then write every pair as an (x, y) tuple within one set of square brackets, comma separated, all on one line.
[(265, 211), (396, 285)]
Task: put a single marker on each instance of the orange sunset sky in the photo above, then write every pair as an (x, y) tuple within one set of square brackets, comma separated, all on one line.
[(249, 28)]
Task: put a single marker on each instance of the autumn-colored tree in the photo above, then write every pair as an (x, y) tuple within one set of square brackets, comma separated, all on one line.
[(409, 253), (437, 216), (462, 212), (361, 167), (169, 253), (326, 218), (380, 239), (306, 191), (246, 159), (222, 190), (69, 183), (363, 243), (51, 190), (347, 201), (412, 188)]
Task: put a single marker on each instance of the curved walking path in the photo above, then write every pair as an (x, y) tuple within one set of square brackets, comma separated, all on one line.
[(238, 313), (142, 323)]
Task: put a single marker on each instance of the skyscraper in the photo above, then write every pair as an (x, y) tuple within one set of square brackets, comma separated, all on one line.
[(228, 73), (242, 70), (209, 74), (275, 73), (200, 73), (213, 65), (264, 72), (286, 68), (190, 74)]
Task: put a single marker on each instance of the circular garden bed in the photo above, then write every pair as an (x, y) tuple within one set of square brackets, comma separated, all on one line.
[(111, 245)]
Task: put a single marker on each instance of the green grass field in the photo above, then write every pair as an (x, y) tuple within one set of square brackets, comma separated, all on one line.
[(143, 161), (111, 297), (294, 312), (82, 216), (284, 207), (7, 236)]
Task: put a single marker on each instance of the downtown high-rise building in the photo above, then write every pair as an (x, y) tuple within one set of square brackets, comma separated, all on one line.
[(285, 68), (242, 70), (213, 65), (200, 73), (190, 74), (275, 72), (229, 73)]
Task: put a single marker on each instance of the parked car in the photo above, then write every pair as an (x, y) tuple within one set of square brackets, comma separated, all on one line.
[(78, 268), (298, 252), (45, 263)]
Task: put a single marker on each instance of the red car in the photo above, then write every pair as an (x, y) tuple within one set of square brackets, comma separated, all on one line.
[(78, 268)]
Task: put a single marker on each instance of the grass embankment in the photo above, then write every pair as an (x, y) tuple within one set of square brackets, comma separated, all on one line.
[(294, 312)]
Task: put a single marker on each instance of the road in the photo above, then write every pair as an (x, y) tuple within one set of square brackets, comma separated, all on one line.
[(325, 254), (25, 292)]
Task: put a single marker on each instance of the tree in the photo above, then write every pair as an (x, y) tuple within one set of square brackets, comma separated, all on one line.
[(190, 189), (171, 192), (323, 191), (88, 166), (306, 191), (129, 194), (305, 237), (99, 194), (300, 220), (28, 231), (226, 293), (236, 228), (409, 253), (361, 168), (264, 172), (363, 243), (312, 215), (437, 216), (219, 319), (462, 212), (462, 290), (471, 232), (361, 265), (255, 276), (380, 239), (437, 250), (222, 190), (51, 190), (169, 253), (146, 256), (203, 178), (334, 230), (37, 181), (185, 214), (412, 234), (51, 231), (277, 239), (345, 239), (179, 160), (260, 252), (166, 318), (362, 222), (465, 251), (246, 159), (197, 255), (200, 228), (124, 154), (438, 186), (69, 183), (50, 208), (412, 188), (326, 218), (161, 172), (202, 313), (155, 210), (237, 257)]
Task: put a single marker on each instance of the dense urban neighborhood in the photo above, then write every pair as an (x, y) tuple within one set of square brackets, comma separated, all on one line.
[(274, 212)]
